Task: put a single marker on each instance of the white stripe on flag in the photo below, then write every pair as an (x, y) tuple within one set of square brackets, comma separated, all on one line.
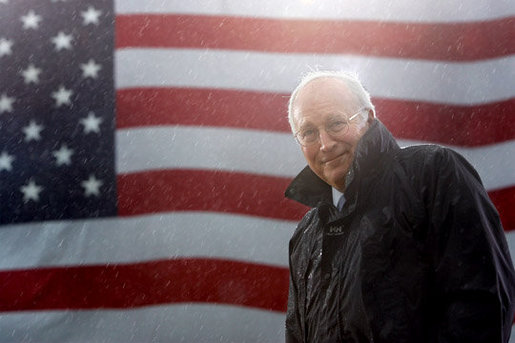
[(151, 237), (146, 238), (262, 152), (166, 323), (442, 82), (399, 10)]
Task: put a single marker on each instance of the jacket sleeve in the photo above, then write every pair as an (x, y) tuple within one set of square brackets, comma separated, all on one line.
[(473, 270), (296, 258), (292, 322), (293, 330)]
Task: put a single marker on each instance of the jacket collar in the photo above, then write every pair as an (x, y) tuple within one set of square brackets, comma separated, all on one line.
[(308, 189)]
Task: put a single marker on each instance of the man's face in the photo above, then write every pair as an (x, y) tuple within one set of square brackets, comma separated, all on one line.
[(315, 106)]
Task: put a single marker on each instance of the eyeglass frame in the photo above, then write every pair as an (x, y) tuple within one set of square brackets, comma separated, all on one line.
[(332, 135)]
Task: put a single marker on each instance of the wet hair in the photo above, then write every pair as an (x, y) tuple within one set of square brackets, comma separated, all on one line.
[(351, 80)]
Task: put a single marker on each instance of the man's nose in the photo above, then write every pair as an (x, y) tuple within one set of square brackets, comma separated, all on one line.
[(326, 141)]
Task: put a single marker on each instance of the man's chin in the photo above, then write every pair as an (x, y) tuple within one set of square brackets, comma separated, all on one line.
[(337, 178)]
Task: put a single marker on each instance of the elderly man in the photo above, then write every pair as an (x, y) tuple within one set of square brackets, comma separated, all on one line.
[(401, 245)]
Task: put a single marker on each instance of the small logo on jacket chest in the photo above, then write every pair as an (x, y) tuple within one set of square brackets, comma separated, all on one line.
[(334, 230)]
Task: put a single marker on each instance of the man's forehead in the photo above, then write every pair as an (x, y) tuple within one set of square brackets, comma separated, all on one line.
[(323, 98), (323, 92), (322, 84)]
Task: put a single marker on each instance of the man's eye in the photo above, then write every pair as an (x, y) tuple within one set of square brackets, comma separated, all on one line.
[(307, 133), (337, 125)]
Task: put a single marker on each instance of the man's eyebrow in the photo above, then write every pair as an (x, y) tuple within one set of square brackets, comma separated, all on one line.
[(337, 114), (305, 125)]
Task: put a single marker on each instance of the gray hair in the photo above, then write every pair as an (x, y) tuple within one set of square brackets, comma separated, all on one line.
[(351, 80)]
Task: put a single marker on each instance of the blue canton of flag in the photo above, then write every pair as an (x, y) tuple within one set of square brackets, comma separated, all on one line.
[(56, 110)]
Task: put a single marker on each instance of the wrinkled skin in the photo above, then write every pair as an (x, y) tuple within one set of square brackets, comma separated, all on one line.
[(330, 158)]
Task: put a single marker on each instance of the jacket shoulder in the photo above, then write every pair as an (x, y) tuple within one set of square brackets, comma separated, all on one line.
[(437, 161), (426, 153)]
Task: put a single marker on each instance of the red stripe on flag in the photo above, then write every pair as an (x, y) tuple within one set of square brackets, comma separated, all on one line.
[(192, 106), (220, 191), (143, 284), (447, 124), (435, 41), (504, 201), (206, 190)]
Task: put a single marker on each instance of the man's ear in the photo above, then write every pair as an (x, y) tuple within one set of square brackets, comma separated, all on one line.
[(370, 118)]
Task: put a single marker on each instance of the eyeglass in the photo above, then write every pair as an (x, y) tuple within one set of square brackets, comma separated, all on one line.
[(337, 127)]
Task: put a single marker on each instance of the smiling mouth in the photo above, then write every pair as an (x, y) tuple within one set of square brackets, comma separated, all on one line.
[(333, 159)]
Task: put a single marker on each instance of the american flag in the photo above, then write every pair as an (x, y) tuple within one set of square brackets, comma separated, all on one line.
[(144, 148)]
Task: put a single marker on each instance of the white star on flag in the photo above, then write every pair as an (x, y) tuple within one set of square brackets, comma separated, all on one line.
[(91, 123), (63, 155), (6, 161), (62, 41), (90, 69), (90, 16), (31, 74), (31, 20), (31, 191), (6, 103), (5, 47), (62, 96), (32, 131), (91, 186)]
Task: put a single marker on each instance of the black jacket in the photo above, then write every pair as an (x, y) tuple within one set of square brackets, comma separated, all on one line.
[(417, 254)]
